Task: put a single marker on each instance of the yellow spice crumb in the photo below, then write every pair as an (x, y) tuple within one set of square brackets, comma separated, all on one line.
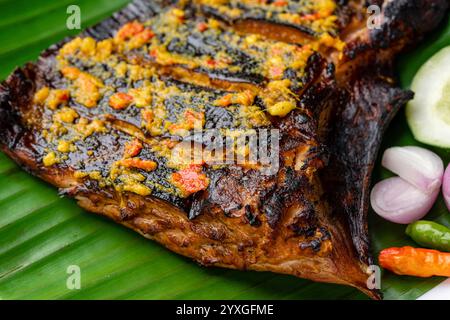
[(137, 188), (64, 146), (41, 95), (66, 115), (178, 13), (88, 46), (213, 23), (96, 175), (142, 97), (57, 97), (121, 69), (80, 174), (281, 109), (50, 159)]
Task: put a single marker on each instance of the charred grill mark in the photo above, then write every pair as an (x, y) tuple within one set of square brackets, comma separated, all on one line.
[(251, 216), (184, 96), (199, 204), (304, 223), (273, 208), (288, 16), (195, 44), (99, 152), (297, 27), (238, 77), (405, 19), (284, 194), (403, 24), (316, 243), (231, 189), (304, 231), (217, 51)]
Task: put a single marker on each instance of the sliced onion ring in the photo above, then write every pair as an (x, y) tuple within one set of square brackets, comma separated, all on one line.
[(446, 187), (420, 167), (396, 200)]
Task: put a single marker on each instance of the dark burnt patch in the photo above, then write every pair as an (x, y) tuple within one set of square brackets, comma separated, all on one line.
[(277, 199), (315, 243), (366, 110), (405, 19), (231, 189), (252, 216)]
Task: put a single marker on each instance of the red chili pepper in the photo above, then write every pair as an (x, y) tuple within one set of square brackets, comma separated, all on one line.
[(133, 148), (63, 95), (280, 3), (211, 62), (202, 27), (130, 29), (193, 117), (276, 72), (415, 261), (191, 179), (145, 35), (70, 73), (147, 165), (120, 100), (224, 101), (154, 53), (148, 116)]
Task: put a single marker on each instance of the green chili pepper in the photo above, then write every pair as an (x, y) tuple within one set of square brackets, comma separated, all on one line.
[(430, 234)]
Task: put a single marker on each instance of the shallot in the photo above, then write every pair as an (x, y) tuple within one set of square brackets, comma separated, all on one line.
[(398, 201), (420, 167), (446, 187)]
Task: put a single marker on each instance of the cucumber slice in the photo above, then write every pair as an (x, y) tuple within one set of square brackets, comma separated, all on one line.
[(428, 115)]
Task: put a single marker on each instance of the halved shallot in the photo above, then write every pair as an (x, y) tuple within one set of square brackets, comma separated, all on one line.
[(446, 187), (398, 201), (420, 167)]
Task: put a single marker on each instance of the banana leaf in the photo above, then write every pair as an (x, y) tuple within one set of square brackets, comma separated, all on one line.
[(42, 235)]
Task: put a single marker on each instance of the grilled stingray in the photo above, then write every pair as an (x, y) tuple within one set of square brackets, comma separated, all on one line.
[(117, 116)]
